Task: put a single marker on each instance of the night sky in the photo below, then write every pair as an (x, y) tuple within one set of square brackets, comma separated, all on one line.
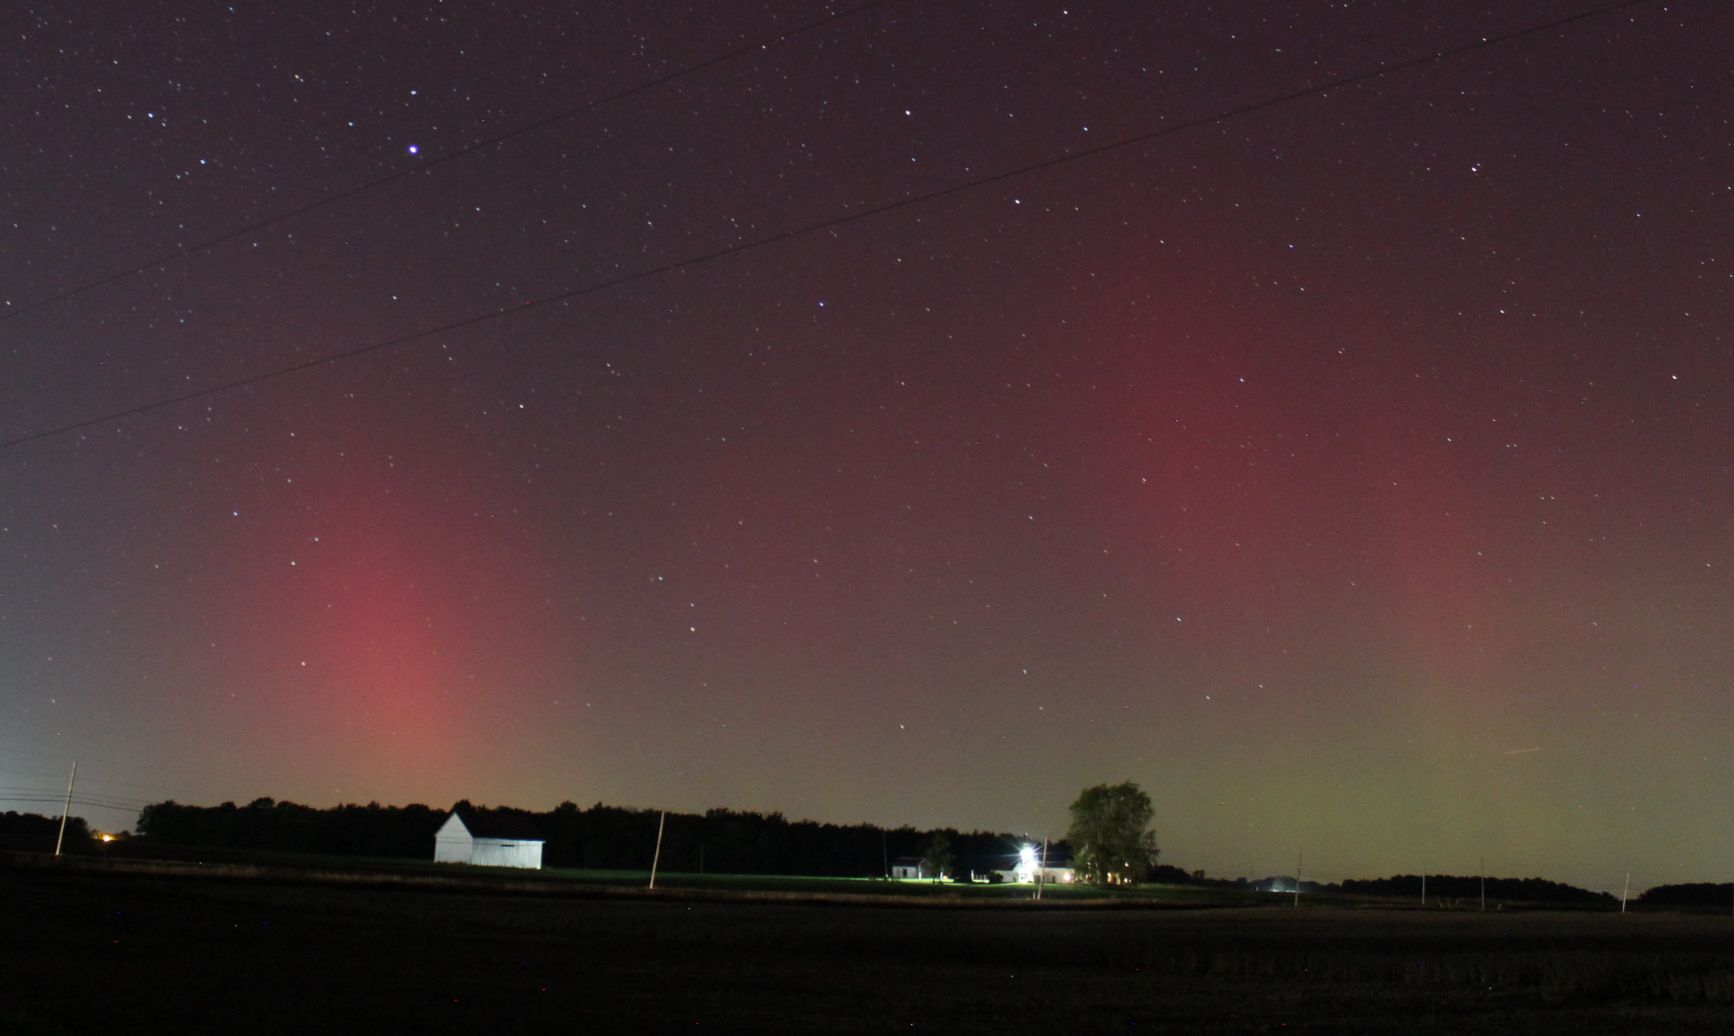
[(1351, 471)]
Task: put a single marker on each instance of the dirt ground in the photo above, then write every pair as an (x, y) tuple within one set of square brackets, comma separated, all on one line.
[(84, 951)]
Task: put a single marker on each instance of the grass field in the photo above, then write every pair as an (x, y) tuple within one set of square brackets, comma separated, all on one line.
[(87, 949), (308, 868)]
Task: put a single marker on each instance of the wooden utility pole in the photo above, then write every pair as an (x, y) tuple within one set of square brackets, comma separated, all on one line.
[(66, 808), (657, 856), (1298, 858), (1042, 873), (1625, 892)]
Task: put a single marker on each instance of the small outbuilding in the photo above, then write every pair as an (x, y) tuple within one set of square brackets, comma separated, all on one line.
[(488, 839), (910, 868)]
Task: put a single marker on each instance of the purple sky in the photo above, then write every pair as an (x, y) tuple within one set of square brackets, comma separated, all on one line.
[(1353, 472)]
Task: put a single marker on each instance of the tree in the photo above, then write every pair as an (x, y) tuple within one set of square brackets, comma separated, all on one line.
[(937, 858), (1110, 834)]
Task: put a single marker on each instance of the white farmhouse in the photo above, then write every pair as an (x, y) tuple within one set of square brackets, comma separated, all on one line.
[(1033, 865), (488, 840)]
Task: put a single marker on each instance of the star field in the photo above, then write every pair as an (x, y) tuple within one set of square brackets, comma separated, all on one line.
[(1350, 471)]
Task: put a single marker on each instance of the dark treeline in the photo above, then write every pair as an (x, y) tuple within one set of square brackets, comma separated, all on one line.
[(601, 837), (729, 842), (1696, 894), (1167, 874), (34, 833), (720, 841), (1457, 887), (348, 830)]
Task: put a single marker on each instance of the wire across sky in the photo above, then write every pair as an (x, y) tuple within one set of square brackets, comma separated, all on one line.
[(901, 412)]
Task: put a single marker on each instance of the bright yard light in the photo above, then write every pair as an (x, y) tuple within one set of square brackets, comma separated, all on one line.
[(1026, 864)]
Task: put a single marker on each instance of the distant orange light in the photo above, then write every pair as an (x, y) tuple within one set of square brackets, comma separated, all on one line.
[(105, 836)]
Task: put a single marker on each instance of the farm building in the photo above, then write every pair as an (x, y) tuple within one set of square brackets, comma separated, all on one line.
[(1029, 868), (910, 868), (488, 839)]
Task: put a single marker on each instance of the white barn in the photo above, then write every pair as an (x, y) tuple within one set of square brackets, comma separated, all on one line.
[(488, 840), (910, 868)]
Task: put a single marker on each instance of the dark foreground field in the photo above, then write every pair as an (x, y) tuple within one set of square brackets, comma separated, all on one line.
[(83, 951)]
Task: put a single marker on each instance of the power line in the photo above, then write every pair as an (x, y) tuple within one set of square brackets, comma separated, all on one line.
[(184, 779), (829, 224), (36, 793), (77, 800), (341, 196)]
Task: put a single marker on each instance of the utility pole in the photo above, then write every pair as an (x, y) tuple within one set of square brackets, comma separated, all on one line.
[(1423, 888), (1042, 874), (1298, 857), (66, 808), (1484, 884), (1625, 892), (657, 856)]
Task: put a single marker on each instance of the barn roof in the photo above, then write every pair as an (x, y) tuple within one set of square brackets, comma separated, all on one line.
[(497, 824)]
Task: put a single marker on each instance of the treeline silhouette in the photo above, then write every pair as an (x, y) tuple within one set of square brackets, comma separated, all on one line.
[(720, 841), (32, 832), (272, 826), (601, 837), (1459, 888), (1718, 895)]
